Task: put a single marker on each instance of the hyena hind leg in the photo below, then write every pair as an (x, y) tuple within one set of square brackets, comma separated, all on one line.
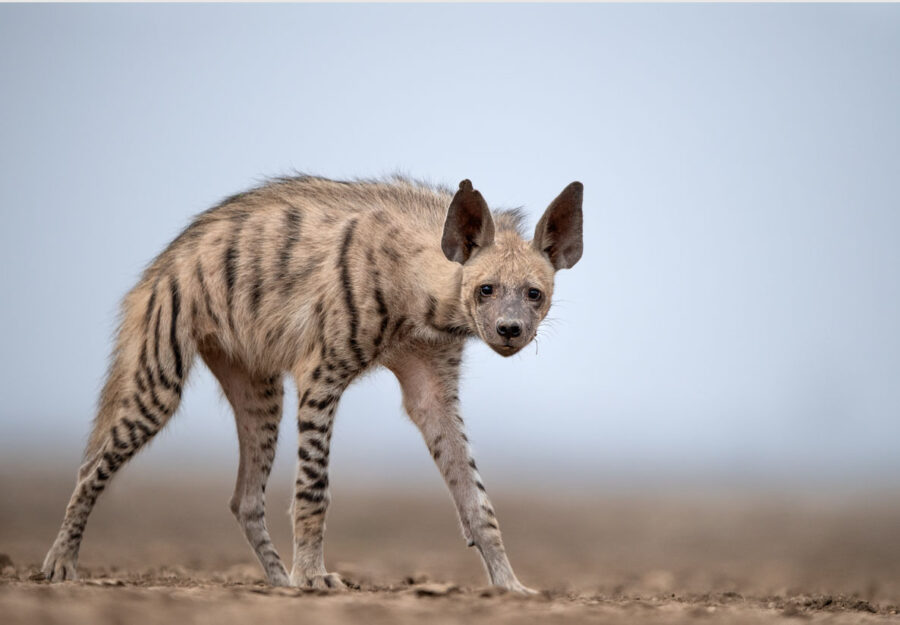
[(257, 405), (134, 419), (142, 392)]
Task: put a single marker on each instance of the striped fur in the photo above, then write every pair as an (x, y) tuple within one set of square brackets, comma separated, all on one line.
[(324, 280)]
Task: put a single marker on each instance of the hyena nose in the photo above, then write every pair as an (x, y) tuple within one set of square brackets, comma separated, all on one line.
[(507, 328)]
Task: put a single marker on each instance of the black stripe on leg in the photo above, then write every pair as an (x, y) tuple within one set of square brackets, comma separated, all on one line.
[(118, 443), (173, 329), (149, 387), (311, 473), (145, 365), (113, 460), (163, 380), (311, 513), (139, 381), (271, 391), (133, 435), (265, 411), (165, 383), (154, 399), (149, 416), (306, 426), (316, 497), (319, 461), (268, 553), (323, 403), (147, 432), (150, 306)]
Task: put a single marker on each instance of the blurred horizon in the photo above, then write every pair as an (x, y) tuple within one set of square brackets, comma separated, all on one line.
[(735, 319)]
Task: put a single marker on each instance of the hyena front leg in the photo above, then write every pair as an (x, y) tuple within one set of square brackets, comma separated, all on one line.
[(257, 403), (319, 395), (429, 378)]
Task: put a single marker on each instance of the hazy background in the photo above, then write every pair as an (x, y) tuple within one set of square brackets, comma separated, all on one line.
[(735, 319)]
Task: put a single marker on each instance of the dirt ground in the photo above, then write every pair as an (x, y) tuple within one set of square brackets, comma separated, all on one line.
[(168, 551)]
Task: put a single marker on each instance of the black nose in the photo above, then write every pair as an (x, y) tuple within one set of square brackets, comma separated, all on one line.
[(509, 328)]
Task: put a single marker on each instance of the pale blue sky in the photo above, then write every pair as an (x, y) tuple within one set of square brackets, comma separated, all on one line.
[(737, 310)]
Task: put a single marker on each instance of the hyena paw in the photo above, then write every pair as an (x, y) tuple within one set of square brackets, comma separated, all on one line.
[(59, 565), (324, 581), (518, 587), (278, 577)]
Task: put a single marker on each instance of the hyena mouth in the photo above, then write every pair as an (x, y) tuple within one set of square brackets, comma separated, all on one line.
[(505, 349)]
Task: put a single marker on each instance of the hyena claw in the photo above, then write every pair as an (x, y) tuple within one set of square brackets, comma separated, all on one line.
[(326, 581), (518, 587), (59, 566)]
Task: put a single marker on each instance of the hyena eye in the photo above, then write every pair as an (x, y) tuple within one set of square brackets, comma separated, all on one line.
[(487, 289), (534, 294)]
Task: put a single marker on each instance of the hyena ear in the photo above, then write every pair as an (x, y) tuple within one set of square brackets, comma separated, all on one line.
[(469, 224), (558, 234)]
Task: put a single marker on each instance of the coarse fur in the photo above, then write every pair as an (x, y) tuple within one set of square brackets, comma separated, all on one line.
[(325, 280)]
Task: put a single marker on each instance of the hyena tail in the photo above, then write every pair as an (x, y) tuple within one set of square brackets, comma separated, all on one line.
[(154, 350)]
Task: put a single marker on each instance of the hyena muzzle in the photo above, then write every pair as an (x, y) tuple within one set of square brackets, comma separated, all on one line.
[(325, 280)]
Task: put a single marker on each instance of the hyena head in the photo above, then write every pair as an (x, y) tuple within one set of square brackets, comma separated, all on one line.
[(507, 282)]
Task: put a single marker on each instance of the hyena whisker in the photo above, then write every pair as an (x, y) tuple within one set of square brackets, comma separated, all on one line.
[(325, 280), (548, 328), (560, 304)]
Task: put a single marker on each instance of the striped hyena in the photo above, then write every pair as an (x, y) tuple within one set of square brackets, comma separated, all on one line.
[(325, 280)]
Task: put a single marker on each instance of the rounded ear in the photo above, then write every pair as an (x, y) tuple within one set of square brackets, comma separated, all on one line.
[(469, 224), (558, 234)]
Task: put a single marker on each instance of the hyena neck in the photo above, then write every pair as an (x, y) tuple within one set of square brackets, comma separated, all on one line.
[(443, 311)]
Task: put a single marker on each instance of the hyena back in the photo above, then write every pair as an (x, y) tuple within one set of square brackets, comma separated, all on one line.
[(324, 280)]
